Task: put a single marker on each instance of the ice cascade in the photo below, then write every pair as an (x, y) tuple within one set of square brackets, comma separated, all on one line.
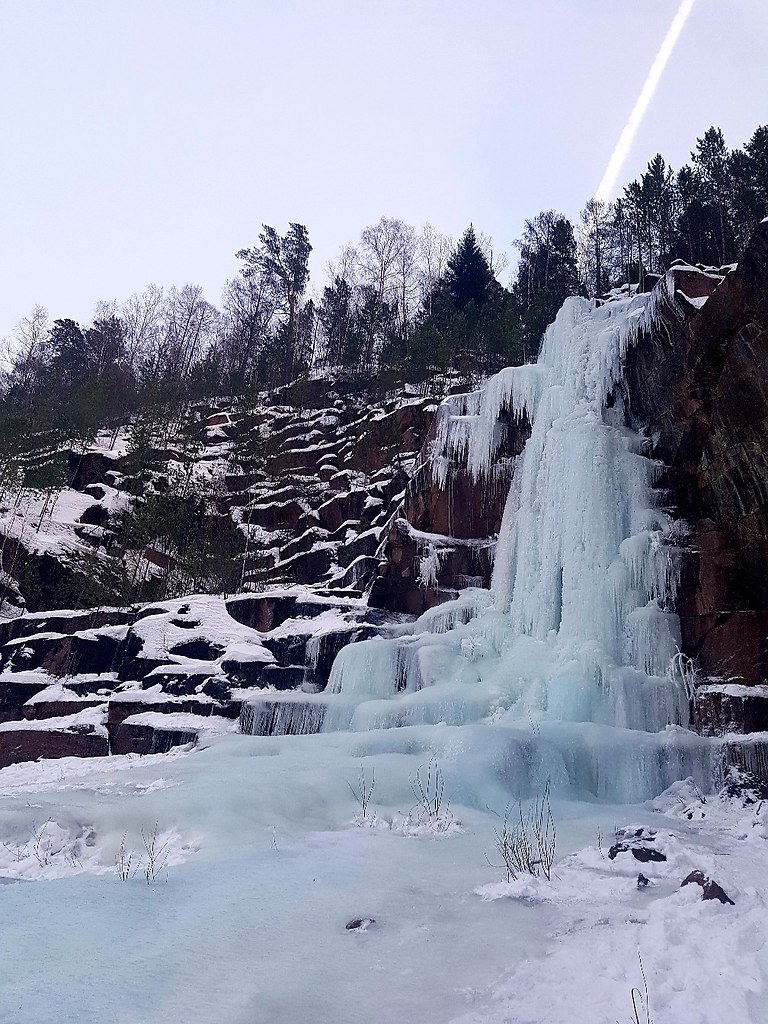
[(579, 626)]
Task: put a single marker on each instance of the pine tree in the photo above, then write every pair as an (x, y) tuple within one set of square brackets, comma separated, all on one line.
[(469, 277), (283, 259), (546, 275), (757, 151)]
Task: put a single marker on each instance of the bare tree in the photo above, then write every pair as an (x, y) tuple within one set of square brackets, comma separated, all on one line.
[(594, 242), (381, 248), (28, 349), (250, 305), (142, 319), (406, 281), (189, 321), (433, 250), (497, 261)]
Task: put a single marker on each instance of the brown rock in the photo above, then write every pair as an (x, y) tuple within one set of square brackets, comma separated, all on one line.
[(31, 744), (710, 890), (699, 383)]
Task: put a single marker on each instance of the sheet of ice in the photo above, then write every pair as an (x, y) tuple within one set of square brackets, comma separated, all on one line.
[(247, 921)]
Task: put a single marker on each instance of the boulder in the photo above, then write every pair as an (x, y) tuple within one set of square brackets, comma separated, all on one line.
[(710, 890), (93, 468)]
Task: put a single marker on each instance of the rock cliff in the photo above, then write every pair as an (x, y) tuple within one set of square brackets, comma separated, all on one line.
[(698, 383)]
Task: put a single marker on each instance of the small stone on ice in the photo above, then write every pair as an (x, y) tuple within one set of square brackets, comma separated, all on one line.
[(360, 924)]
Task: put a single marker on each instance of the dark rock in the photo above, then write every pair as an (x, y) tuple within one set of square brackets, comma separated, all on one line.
[(340, 508), (200, 649), (359, 924), (63, 655), (710, 890), (130, 662), (42, 709), (275, 515), (637, 841), (721, 709), (283, 677), (307, 566), (96, 491), (740, 784), (262, 612), (359, 574), (14, 695), (642, 853), (120, 709), (699, 383), (95, 515), (304, 542), (399, 586), (92, 468), (241, 673), (288, 649), (179, 684), (366, 543), (31, 744), (134, 738)]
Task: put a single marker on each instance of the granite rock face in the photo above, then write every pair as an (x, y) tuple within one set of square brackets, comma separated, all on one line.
[(441, 539), (699, 384)]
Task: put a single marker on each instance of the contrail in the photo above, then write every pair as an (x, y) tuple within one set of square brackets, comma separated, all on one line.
[(627, 137)]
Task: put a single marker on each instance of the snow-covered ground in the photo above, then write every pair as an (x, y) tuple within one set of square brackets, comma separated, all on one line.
[(261, 865)]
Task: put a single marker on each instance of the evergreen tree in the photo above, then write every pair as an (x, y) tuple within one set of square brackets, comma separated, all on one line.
[(757, 152), (335, 316), (469, 277), (546, 274), (711, 160)]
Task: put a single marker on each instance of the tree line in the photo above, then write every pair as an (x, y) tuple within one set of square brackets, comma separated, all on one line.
[(401, 302)]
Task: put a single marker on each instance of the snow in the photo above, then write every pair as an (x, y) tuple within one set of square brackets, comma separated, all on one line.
[(59, 692), (735, 689), (88, 720), (380, 798), (698, 301), (112, 444), (181, 721), (155, 695), (45, 522), (209, 619)]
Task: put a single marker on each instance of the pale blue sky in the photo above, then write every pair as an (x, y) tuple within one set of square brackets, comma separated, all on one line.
[(147, 140)]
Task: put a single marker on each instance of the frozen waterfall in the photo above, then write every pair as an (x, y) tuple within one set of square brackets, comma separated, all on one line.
[(579, 626)]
